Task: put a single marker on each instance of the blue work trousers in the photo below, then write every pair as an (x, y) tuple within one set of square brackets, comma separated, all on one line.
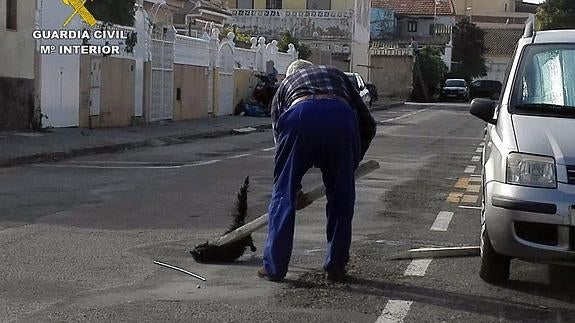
[(315, 133)]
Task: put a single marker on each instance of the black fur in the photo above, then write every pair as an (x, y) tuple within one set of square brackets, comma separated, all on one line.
[(205, 253)]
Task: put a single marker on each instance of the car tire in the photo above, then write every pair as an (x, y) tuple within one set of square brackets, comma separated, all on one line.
[(494, 267)]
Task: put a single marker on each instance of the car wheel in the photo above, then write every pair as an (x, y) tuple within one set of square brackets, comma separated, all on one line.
[(494, 267)]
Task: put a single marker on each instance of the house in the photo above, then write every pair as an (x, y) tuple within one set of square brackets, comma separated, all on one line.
[(500, 44), (196, 15), (503, 22), (483, 7), (408, 22), (336, 30), (17, 79), (162, 11)]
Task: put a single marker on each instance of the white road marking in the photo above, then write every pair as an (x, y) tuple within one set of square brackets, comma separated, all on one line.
[(106, 167), (122, 162), (404, 116), (470, 207), (479, 150), (209, 162), (470, 169), (239, 156), (482, 144), (442, 221), (395, 311), (202, 163), (314, 250), (476, 159), (433, 137), (417, 267), (269, 149), (472, 175)]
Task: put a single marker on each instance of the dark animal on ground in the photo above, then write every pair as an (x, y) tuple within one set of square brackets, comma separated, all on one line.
[(206, 253)]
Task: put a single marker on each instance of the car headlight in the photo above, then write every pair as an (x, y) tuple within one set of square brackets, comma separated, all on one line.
[(530, 170)]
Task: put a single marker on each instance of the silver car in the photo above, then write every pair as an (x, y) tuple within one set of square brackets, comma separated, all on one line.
[(529, 158)]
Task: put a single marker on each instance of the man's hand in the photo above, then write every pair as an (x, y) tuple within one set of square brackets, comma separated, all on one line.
[(301, 201)]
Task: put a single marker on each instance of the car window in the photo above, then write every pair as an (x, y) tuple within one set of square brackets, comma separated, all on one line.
[(476, 84), (545, 78), (455, 83), (353, 80)]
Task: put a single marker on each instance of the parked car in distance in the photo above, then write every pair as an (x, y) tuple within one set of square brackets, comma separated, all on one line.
[(359, 85), (372, 92), (528, 205), (454, 89), (485, 89)]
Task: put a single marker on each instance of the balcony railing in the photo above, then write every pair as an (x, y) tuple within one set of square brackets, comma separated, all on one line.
[(282, 13), (303, 24)]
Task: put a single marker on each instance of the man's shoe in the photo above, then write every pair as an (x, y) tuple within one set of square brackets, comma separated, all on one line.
[(263, 274), (337, 276)]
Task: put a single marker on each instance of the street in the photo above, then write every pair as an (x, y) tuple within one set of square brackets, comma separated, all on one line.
[(79, 236)]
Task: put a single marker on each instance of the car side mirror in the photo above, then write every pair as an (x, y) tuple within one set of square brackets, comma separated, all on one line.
[(484, 109)]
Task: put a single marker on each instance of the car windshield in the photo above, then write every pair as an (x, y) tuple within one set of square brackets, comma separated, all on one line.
[(546, 81), (454, 83)]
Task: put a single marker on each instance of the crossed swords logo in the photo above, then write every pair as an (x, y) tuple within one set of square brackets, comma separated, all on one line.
[(80, 9)]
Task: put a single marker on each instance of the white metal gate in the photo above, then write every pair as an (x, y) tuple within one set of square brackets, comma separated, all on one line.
[(95, 85), (162, 83), (226, 80), (60, 74)]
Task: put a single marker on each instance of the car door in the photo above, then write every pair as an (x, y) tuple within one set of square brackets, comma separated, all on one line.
[(475, 89)]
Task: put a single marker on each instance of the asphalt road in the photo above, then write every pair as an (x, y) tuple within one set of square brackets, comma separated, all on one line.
[(79, 237)]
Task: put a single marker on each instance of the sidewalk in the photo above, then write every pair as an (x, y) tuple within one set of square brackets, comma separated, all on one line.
[(18, 148)]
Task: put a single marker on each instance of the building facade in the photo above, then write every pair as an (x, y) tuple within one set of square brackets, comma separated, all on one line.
[(336, 30), (17, 88), (483, 7), (408, 23), (503, 22), (193, 18)]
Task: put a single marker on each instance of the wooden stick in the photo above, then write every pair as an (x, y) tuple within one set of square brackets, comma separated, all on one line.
[(313, 195), (180, 270), (442, 252)]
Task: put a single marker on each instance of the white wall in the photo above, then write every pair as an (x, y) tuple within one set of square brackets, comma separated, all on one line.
[(496, 67), (361, 37)]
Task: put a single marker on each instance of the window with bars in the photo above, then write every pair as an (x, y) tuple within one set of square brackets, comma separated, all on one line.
[(273, 4), (11, 14), (412, 26)]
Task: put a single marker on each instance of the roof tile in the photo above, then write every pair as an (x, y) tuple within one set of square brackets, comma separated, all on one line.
[(501, 41), (416, 7)]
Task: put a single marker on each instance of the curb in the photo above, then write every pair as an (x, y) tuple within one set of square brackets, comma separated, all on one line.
[(114, 148)]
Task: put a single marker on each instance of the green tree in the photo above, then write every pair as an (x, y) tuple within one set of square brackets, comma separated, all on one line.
[(556, 14), (469, 50), (433, 70), (287, 38), (242, 40), (120, 12)]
